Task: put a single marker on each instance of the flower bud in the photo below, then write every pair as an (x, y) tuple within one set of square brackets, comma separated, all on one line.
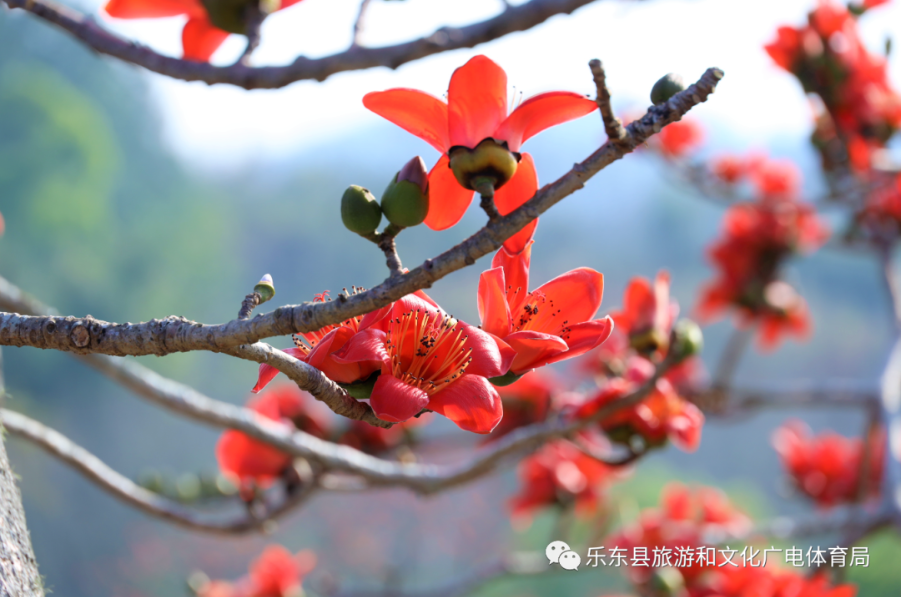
[(360, 211), (228, 15), (506, 379), (266, 288), (406, 200), (489, 160), (361, 390), (649, 341), (687, 340), (666, 87)]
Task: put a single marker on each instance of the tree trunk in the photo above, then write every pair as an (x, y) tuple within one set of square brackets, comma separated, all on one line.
[(19, 575)]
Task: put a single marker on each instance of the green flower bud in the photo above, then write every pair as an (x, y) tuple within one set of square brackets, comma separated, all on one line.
[(667, 582), (188, 487), (687, 340), (228, 15), (360, 210), (151, 480), (666, 87), (489, 160), (266, 288), (406, 200)]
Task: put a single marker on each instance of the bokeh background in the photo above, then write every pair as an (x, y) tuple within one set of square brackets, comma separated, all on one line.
[(129, 196)]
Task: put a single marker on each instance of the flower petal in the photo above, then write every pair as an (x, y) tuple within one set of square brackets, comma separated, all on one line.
[(684, 429), (514, 193), (493, 309), (476, 100), (471, 402), (491, 356), (368, 345), (200, 39), (577, 294), (393, 400), (268, 372), (516, 274), (322, 357), (448, 201), (152, 9), (541, 112), (584, 336), (417, 112), (534, 349)]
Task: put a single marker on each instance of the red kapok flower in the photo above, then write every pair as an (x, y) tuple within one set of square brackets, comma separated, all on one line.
[(476, 111), (662, 415), (684, 519), (278, 573), (431, 361), (318, 348), (247, 460), (201, 37), (648, 314), (549, 324), (560, 474), (827, 467)]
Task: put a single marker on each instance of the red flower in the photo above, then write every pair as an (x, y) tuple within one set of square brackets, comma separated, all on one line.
[(200, 37), (662, 415), (476, 110), (549, 324), (431, 361), (729, 168), (758, 236), (678, 138), (560, 474), (250, 461), (526, 401), (318, 348), (277, 573), (684, 519), (769, 581), (827, 467), (648, 314)]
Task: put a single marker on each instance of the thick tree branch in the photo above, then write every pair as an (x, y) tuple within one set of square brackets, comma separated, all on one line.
[(124, 489), (516, 18), (177, 334)]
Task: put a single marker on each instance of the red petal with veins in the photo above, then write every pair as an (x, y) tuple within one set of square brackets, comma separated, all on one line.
[(492, 301), (542, 112), (471, 402), (576, 294), (514, 193), (417, 112), (584, 336), (534, 349), (516, 274), (476, 100), (393, 400)]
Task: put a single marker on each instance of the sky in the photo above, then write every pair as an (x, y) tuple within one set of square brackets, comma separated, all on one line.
[(221, 127)]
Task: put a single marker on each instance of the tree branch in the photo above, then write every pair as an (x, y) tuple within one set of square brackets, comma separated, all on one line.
[(177, 334), (612, 125), (84, 28), (124, 489)]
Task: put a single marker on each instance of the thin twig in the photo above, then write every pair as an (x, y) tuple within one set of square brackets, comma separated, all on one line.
[(517, 18), (123, 488), (612, 125), (177, 334), (250, 302)]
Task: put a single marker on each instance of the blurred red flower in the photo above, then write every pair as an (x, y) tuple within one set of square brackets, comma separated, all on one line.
[(647, 315), (476, 109), (560, 474), (526, 401), (275, 573), (249, 461), (200, 38), (827, 467), (678, 138)]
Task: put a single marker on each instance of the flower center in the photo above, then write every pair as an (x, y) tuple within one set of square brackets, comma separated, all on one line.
[(307, 341), (539, 314), (427, 350)]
